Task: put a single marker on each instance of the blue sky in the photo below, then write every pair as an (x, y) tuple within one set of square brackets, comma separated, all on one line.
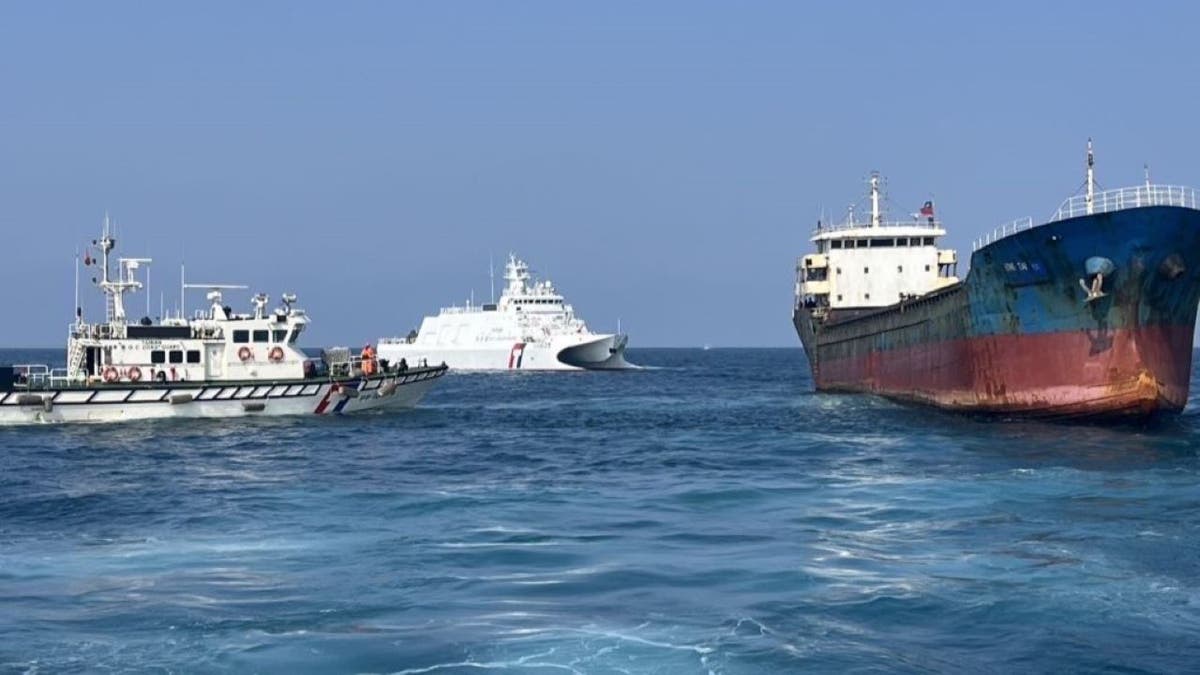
[(662, 162)]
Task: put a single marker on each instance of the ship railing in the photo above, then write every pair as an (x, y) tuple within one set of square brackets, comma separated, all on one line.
[(41, 376), (1001, 231), (93, 331), (856, 225), (1127, 198)]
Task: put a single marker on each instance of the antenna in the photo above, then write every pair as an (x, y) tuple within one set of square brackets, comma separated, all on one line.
[(1091, 179), (78, 310), (147, 291), (492, 276), (875, 216), (1146, 171), (182, 286)]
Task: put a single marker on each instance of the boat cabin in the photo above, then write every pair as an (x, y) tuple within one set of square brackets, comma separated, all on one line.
[(877, 263), (215, 344)]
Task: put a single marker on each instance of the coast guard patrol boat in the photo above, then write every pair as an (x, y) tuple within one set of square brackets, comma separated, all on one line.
[(530, 328), (217, 364)]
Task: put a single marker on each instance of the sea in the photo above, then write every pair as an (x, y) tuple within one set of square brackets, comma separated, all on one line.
[(708, 513)]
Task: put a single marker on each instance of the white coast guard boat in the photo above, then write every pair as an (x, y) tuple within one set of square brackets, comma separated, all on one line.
[(218, 364), (530, 328)]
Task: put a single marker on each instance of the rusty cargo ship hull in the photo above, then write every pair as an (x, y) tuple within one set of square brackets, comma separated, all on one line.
[(1030, 331)]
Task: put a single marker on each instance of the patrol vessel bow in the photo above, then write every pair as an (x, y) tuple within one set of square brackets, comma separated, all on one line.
[(217, 364)]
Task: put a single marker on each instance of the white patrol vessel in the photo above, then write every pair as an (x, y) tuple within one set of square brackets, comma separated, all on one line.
[(530, 328), (217, 364)]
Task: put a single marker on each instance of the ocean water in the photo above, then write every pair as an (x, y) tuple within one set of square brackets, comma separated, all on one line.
[(708, 515)]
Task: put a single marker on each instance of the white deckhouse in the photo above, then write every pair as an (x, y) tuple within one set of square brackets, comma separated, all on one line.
[(863, 265)]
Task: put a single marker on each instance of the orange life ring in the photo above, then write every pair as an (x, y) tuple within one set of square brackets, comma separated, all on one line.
[(110, 374), (276, 354), (134, 374), (245, 354)]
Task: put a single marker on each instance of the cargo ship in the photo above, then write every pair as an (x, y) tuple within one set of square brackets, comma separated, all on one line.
[(1089, 315)]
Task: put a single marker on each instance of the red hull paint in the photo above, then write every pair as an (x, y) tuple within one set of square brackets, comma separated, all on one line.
[(1132, 372)]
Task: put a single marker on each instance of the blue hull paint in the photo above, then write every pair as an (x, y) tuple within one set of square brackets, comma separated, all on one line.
[(1030, 282)]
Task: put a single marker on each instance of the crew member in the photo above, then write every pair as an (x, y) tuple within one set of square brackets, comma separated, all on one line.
[(368, 360)]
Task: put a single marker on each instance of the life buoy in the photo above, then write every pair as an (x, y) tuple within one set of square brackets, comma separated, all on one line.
[(276, 354), (245, 354), (134, 374), (110, 374)]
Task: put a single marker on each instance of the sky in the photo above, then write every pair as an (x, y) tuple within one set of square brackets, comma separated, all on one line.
[(663, 163)]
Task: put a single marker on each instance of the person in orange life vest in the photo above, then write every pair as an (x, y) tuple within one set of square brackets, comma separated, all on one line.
[(368, 360)]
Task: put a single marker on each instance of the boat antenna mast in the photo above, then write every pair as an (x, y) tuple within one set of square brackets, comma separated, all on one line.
[(876, 217), (1090, 200), (125, 280)]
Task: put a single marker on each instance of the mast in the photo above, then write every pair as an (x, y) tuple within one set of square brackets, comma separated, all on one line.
[(78, 310), (1091, 180), (115, 309), (492, 277), (875, 216)]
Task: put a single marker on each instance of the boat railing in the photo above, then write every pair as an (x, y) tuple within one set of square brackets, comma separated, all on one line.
[(1127, 198), (1001, 231), (923, 223), (42, 376)]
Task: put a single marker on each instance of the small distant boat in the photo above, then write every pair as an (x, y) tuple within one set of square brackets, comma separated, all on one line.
[(218, 364), (531, 327)]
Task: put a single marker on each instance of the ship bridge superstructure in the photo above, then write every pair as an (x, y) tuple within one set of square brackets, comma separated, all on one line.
[(214, 344), (528, 310), (875, 263)]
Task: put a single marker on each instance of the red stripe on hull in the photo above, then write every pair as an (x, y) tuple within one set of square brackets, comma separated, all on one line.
[(1122, 372)]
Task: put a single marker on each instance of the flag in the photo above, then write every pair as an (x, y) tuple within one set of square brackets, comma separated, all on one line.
[(927, 209)]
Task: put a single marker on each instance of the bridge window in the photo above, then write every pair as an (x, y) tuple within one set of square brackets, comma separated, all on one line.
[(866, 270), (878, 243), (241, 336), (927, 268), (862, 243), (839, 297), (176, 356), (867, 296), (900, 268), (836, 243), (295, 333), (929, 241), (839, 270), (279, 336), (261, 335), (158, 356), (193, 356)]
